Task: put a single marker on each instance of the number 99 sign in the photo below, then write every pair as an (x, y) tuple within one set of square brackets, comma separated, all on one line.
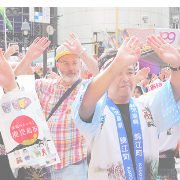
[(171, 36)]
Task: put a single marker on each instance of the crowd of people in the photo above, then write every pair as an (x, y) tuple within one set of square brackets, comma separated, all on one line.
[(50, 49), (117, 125)]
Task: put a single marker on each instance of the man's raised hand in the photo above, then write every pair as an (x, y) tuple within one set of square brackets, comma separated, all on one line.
[(37, 48), (7, 79), (11, 50), (142, 74), (165, 51), (74, 46), (53, 75), (129, 52)]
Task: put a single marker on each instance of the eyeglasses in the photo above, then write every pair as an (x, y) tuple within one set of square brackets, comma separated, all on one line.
[(67, 64)]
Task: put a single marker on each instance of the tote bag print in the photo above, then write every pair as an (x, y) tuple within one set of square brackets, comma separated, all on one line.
[(25, 132)]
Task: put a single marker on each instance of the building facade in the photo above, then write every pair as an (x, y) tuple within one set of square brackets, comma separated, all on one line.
[(174, 12), (87, 22), (36, 28)]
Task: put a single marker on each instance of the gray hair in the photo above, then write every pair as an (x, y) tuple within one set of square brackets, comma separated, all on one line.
[(108, 54)]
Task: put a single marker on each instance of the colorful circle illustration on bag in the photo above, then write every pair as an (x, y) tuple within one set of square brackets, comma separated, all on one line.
[(24, 130), (24, 102)]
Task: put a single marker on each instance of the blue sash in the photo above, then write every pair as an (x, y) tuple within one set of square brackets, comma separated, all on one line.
[(123, 141)]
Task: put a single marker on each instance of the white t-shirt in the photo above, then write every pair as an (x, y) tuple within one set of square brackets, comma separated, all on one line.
[(168, 142), (104, 155)]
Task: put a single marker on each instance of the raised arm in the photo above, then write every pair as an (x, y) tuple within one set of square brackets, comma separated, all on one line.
[(169, 55), (34, 52), (127, 55), (11, 50), (7, 78), (75, 47), (142, 74)]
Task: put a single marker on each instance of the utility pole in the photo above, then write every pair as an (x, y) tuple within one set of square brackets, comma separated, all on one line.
[(116, 26), (55, 36), (45, 51)]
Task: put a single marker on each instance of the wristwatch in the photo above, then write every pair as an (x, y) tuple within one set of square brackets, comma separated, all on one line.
[(174, 69), (83, 49)]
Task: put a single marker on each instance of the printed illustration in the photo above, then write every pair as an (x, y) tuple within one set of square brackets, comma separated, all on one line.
[(170, 131), (46, 144), (15, 105), (50, 158), (151, 168), (102, 121), (116, 172), (24, 102), (41, 145), (6, 106), (24, 130), (148, 117), (18, 157), (26, 155), (167, 174), (36, 151), (42, 173)]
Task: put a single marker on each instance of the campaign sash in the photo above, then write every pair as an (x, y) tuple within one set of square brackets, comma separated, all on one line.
[(123, 141)]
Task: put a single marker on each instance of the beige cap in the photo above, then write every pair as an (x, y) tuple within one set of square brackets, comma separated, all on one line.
[(61, 51)]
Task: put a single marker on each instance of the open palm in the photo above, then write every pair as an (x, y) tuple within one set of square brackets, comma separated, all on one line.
[(129, 52), (142, 74), (165, 51), (37, 48), (74, 46), (6, 72)]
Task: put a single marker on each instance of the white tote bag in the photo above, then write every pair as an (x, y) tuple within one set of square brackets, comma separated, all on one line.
[(24, 130)]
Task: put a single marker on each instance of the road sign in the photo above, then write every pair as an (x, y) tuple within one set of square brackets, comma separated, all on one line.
[(42, 17), (50, 29)]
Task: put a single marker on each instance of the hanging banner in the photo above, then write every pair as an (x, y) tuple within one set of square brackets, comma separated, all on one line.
[(31, 14), (107, 42), (2, 9), (156, 84), (24, 130), (110, 42), (121, 36), (41, 17), (169, 35)]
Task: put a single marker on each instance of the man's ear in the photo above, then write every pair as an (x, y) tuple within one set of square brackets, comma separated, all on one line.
[(57, 65)]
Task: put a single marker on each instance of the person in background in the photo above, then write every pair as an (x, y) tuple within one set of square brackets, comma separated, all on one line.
[(85, 74), (137, 91), (70, 144), (140, 76), (144, 84), (11, 50), (5, 171), (169, 144), (51, 75)]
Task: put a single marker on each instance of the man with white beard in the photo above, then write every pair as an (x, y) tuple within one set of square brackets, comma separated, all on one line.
[(70, 144)]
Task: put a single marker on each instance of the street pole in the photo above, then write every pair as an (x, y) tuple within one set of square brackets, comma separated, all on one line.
[(45, 51), (116, 26), (5, 29), (55, 37)]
